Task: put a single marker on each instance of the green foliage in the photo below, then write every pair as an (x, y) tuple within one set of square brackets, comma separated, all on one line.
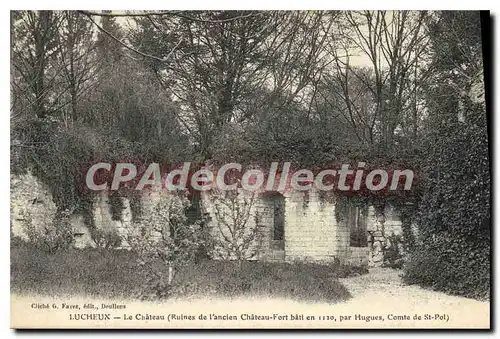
[(260, 88), (454, 228), (393, 252), (109, 273), (407, 211), (451, 262), (342, 204), (106, 239), (58, 157), (454, 219), (53, 235), (80, 101), (94, 272), (296, 281), (164, 239)]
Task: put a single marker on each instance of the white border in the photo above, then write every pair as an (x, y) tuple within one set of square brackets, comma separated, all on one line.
[(191, 4)]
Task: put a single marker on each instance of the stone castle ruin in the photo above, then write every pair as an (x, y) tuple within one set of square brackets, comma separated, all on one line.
[(286, 227)]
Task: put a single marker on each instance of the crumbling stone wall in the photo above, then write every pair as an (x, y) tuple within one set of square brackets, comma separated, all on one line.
[(311, 229), (312, 232), (379, 228), (30, 201), (260, 218)]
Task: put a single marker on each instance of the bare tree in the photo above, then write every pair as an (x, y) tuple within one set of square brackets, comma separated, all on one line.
[(396, 47), (235, 236), (34, 75), (77, 56)]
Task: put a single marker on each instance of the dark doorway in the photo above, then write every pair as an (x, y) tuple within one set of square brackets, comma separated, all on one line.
[(357, 222), (277, 202)]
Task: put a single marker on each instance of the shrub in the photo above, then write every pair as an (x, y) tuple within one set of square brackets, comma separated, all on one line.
[(393, 252), (453, 264), (165, 242), (52, 235), (452, 253), (106, 239), (235, 232)]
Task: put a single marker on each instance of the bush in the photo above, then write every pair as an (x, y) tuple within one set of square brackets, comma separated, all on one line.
[(106, 239), (452, 250), (235, 234), (453, 264), (52, 235), (393, 253), (164, 242)]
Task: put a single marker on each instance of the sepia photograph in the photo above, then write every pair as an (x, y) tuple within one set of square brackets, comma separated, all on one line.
[(250, 169)]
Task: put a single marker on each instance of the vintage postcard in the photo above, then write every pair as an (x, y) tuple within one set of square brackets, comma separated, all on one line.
[(249, 169)]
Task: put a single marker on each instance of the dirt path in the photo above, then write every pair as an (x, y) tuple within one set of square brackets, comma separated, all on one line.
[(387, 283), (383, 289)]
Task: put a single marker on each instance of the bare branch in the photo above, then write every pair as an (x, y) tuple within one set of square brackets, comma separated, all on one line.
[(163, 13), (146, 55)]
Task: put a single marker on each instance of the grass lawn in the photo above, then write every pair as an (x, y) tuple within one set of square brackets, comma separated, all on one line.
[(114, 274)]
